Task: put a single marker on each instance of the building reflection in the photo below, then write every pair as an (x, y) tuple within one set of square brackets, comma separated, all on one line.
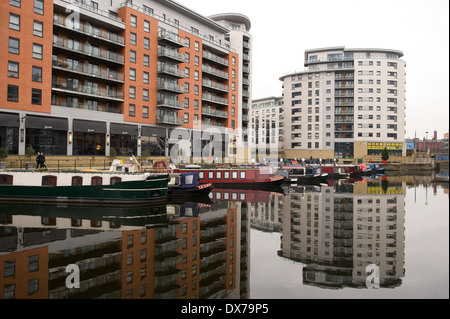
[(178, 251), (336, 231)]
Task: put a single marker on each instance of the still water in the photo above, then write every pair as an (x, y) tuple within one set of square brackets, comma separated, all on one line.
[(370, 238)]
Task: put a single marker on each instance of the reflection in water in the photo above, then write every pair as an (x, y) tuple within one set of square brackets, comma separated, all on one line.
[(337, 231), (202, 249)]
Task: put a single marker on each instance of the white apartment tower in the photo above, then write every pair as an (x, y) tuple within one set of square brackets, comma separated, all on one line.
[(346, 104)]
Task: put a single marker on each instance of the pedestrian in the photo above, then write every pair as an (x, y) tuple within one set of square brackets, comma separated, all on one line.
[(38, 160), (43, 161)]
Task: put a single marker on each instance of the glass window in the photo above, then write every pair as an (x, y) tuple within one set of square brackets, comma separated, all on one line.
[(14, 22), (14, 46), (133, 74), (132, 110), (13, 93), (145, 112), (38, 29), (37, 74), (146, 26), (13, 69), (133, 21), (37, 51), (132, 38), (15, 3), (36, 96), (132, 56), (39, 6)]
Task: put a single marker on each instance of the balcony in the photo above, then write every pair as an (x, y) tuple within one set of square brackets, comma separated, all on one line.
[(170, 87), (170, 70), (94, 72), (170, 38), (215, 58), (216, 72), (87, 50), (90, 107), (215, 99), (170, 55), (214, 113), (88, 91), (170, 120), (89, 30), (170, 103), (215, 85)]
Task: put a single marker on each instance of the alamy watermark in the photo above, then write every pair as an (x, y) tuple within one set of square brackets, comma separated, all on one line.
[(73, 279), (373, 280)]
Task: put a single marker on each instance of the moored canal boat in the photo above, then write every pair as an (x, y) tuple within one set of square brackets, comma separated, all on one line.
[(187, 185), (240, 178), (87, 187)]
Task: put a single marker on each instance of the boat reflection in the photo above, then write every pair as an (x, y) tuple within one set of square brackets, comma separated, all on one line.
[(201, 249)]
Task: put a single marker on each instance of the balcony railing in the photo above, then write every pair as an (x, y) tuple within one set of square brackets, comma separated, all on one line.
[(171, 120), (88, 29), (81, 4), (170, 103), (89, 50), (170, 37), (90, 107), (215, 99), (89, 90), (215, 85), (171, 87), (88, 70), (213, 57), (215, 113), (170, 70), (214, 71), (172, 54)]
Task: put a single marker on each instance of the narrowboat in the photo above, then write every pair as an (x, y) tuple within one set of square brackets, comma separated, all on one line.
[(297, 174), (86, 187), (187, 184), (239, 178)]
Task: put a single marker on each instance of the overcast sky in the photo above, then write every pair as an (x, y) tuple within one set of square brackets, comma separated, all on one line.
[(282, 30)]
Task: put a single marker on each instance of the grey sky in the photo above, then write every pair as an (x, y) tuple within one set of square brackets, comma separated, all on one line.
[(283, 30)]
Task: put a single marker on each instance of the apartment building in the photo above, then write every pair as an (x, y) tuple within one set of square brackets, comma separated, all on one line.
[(346, 104), (97, 78), (267, 126)]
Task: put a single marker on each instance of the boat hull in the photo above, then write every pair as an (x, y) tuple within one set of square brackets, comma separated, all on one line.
[(153, 189)]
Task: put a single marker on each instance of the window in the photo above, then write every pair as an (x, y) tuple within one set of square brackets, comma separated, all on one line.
[(13, 93), (132, 110), (14, 46), (39, 6), (132, 74), (186, 117), (15, 3), (36, 96), (133, 21), (13, 69), (132, 56), (145, 112), (132, 94), (14, 22), (196, 75), (37, 51), (146, 77), (197, 46), (146, 26), (132, 38), (146, 60), (36, 74), (146, 43), (38, 28), (145, 95)]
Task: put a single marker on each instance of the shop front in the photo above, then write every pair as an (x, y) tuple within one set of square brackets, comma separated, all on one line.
[(9, 132), (46, 134), (124, 139), (153, 141), (89, 138)]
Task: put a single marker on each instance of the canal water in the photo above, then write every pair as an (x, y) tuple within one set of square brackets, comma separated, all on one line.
[(377, 238)]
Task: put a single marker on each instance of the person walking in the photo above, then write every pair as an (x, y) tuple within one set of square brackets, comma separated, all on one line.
[(43, 161), (38, 160)]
